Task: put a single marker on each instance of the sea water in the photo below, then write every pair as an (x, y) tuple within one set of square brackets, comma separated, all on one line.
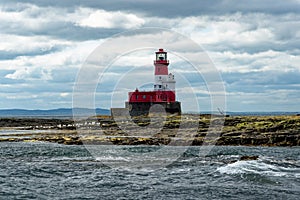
[(53, 171)]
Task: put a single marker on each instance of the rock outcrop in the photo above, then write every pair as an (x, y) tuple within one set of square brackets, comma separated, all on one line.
[(176, 130)]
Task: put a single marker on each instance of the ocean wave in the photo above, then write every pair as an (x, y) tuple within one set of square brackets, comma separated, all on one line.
[(261, 167), (112, 158)]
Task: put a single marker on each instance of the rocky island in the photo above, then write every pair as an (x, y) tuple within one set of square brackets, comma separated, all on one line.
[(175, 130)]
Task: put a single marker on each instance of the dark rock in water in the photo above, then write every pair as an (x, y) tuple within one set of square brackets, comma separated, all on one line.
[(232, 161), (249, 158), (243, 158)]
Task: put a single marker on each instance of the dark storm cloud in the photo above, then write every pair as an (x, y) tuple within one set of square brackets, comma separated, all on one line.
[(177, 8)]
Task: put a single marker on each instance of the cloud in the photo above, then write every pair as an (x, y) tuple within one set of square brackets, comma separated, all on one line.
[(262, 91), (255, 47), (64, 94), (173, 9), (31, 74), (242, 32), (277, 100), (23, 46), (266, 61), (61, 23), (70, 57), (105, 19)]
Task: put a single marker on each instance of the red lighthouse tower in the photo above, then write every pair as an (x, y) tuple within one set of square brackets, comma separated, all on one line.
[(163, 93)]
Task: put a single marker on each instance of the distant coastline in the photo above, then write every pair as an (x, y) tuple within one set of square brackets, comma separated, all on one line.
[(59, 113)]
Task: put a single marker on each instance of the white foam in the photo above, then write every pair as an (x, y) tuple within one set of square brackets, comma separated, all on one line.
[(180, 170), (258, 167), (111, 158)]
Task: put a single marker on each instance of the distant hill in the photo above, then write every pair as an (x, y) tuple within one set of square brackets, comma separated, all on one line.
[(60, 112)]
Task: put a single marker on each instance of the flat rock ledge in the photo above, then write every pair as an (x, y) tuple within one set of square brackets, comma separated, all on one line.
[(185, 130)]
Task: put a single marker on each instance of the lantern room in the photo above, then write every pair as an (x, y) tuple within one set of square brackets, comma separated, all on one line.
[(161, 57)]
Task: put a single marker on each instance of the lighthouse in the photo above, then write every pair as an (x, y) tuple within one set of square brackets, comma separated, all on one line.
[(163, 79), (163, 93)]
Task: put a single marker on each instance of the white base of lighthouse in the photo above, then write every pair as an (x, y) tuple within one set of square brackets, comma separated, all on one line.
[(164, 82)]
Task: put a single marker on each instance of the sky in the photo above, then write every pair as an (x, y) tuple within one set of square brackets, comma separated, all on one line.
[(252, 45)]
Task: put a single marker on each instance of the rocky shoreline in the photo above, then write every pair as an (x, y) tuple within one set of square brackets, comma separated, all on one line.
[(175, 130)]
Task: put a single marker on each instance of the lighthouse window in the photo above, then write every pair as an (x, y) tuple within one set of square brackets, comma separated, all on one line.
[(160, 56), (159, 86), (136, 96), (144, 96)]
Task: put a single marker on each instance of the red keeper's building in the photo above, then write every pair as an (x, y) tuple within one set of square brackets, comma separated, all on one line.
[(163, 93)]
